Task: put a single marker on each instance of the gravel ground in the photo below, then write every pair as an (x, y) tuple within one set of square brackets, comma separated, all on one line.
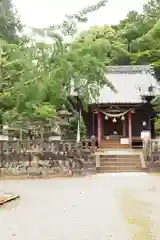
[(100, 207)]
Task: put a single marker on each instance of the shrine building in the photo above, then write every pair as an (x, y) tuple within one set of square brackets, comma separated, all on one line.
[(117, 119)]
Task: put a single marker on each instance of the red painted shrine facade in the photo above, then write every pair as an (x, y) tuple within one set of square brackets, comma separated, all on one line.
[(117, 119)]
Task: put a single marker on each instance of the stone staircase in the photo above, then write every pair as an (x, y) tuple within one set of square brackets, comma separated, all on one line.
[(121, 161)]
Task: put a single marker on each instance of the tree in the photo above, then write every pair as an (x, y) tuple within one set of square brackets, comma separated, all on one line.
[(135, 40), (20, 80), (73, 60), (40, 75), (71, 130), (9, 22)]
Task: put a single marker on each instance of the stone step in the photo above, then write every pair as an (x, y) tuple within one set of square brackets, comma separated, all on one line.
[(119, 170), (124, 168), (120, 166), (120, 159), (128, 156), (138, 163), (124, 163), (113, 161)]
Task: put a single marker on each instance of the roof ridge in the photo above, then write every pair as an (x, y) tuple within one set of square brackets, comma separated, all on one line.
[(130, 69)]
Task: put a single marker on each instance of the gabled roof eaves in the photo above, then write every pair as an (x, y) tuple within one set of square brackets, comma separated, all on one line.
[(131, 83)]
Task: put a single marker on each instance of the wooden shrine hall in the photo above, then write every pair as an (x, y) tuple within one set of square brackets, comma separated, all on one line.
[(117, 119)]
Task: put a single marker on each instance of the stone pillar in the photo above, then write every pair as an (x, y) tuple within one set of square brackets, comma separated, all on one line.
[(98, 164), (130, 128), (99, 128), (93, 122)]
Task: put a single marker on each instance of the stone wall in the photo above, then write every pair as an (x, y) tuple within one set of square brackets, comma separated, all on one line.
[(37, 167), (62, 160)]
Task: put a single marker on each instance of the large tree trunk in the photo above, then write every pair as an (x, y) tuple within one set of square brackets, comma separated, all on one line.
[(78, 105)]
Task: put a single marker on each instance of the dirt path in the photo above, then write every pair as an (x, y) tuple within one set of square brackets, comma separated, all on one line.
[(98, 207)]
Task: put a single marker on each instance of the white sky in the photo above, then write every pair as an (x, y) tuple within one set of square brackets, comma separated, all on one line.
[(41, 13)]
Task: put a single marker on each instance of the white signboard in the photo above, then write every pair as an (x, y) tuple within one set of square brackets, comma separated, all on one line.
[(55, 138), (145, 135), (4, 138), (124, 140)]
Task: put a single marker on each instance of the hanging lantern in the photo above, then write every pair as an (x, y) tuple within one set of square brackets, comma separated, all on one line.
[(106, 117), (114, 120), (123, 118), (144, 123)]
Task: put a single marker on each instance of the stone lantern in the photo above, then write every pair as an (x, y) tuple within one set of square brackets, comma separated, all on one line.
[(63, 119), (61, 123)]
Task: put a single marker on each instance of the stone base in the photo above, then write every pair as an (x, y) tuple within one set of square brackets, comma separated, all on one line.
[(97, 169)]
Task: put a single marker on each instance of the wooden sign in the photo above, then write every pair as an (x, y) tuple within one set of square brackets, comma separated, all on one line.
[(124, 140)]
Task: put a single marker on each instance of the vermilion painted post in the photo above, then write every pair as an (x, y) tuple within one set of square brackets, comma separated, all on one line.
[(99, 128), (130, 128)]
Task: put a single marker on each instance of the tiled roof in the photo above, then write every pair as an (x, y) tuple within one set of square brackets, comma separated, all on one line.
[(130, 69), (131, 83)]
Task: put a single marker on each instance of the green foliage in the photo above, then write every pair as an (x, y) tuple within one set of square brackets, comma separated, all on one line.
[(156, 104), (135, 40), (71, 130), (36, 78), (9, 22), (157, 124)]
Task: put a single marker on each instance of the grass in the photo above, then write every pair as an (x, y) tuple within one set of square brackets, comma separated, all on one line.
[(154, 174), (137, 216)]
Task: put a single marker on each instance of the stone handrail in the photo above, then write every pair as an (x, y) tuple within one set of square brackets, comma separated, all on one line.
[(151, 147)]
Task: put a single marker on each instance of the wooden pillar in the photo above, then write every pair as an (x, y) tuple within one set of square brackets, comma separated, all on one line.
[(130, 128), (99, 127), (124, 128)]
